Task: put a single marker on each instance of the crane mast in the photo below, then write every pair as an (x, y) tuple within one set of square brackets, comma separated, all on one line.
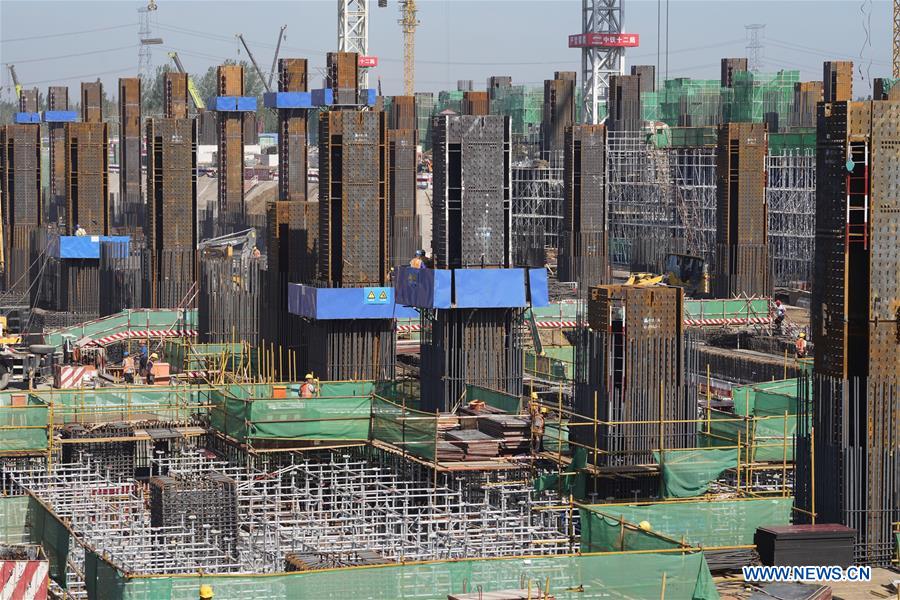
[(896, 53), (408, 23)]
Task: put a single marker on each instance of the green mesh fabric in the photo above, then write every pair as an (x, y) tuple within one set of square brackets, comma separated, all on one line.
[(13, 518), (410, 430), (718, 523), (46, 530), (503, 401), (591, 577), (688, 473), (604, 532), (176, 403)]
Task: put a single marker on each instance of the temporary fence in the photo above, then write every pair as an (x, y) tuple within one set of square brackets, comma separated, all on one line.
[(570, 577), (554, 363), (688, 473), (497, 399), (413, 432), (711, 525), (129, 403), (128, 324), (13, 520), (736, 311)]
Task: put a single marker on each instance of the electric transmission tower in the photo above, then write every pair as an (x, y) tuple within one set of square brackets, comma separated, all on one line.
[(145, 41), (755, 34)]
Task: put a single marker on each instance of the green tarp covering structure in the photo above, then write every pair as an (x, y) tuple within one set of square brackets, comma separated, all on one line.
[(412, 431), (497, 399), (23, 424), (708, 524), (557, 363), (175, 403), (765, 420), (590, 577), (340, 412), (688, 473), (45, 529), (138, 319), (741, 308)]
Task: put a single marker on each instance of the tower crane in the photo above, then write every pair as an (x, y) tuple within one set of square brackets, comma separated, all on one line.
[(896, 52), (408, 22)]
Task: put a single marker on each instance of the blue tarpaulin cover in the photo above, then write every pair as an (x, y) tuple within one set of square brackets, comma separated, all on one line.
[(60, 116), (471, 288), (424, 288), (325, 304), (288, 100), (489, 288), (323, 97), (84, 246), (537, 287), (23, 118)]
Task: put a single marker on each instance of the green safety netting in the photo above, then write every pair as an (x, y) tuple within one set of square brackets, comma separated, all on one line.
[(23, 423), (675, 137), (588, 577), (765, 418), (573, 480), (45, 529), (175, 403), (413, 431), (523, 105), (340, 412), (13, 519), (497, 399), (556, 363), (688, 473), (710, 524), (603, 532), (556, 437), (200, 357), (404, 393), (798, 139), (746, 308)]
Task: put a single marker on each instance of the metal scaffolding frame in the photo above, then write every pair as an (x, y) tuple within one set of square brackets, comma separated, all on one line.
[(791, 196), (537, 196)]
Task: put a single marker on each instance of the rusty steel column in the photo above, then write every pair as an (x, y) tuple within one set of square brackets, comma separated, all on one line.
[(129, 209), (57, 99), (230, 82)]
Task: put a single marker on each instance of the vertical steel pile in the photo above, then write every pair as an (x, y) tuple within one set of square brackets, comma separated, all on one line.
[(482, 346), (130, 211), (342, 76), (476, 103), (741, 212), (351, 349), (354, 217), (291, 221), (631, 367), (837, 79), (171, 217), (807, 94), (624, 103), (87, 166), (57, 99), (29, 101), (472, 193), (856, 327), (121, 276), (558, 114), (402, 142), (583, 252), (647, 76), (229, 297), (730, 66), (20, 170), (230, 82)]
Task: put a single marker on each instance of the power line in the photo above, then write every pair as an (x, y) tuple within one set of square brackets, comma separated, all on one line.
[(68, 33), (70, 55), (126, 69)]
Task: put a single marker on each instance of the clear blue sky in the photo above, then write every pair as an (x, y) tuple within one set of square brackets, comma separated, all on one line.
[(457, 39)]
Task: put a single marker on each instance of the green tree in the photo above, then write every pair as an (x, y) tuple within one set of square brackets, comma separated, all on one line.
[(253, 86), (153, 92)]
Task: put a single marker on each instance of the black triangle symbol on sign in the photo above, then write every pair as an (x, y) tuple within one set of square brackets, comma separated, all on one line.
[(371, 295)]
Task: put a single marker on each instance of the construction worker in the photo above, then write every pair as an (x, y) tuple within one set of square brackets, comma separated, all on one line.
[(142, 357), (780, 313), (537, 430), (206, 592), (800, 344), (308, 389), (153, 358), (79, 231), (128, 367), (418, 261)]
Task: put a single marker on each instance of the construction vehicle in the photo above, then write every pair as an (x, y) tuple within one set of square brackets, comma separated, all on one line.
[(20, 362), (15, 80), (225, 245), (192, 88), (679, 270)]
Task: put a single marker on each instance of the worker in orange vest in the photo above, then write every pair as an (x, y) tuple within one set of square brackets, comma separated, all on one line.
[(801, 345), (308, 389), (418, 261)]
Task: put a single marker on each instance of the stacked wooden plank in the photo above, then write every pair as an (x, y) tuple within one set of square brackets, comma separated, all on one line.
[(449, 452), (513, 432), (476, 444)]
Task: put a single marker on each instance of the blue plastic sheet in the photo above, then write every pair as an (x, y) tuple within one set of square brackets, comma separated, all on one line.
[(288, 100), (323, 97), (423, 288), (325, 304), (538, 292), (60, 116), (24, 118), (489, 288), (84, 246)]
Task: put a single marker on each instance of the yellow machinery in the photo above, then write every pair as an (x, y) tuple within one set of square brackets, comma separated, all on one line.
[(5, 338), (192, 88), (680, 270)]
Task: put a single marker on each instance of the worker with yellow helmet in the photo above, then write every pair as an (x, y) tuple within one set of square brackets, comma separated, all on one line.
[(308, 388), (537, 429), (206, 592), (800, 345)]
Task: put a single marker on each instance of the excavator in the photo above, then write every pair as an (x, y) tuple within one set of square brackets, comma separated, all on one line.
[(225, 246), (680, 270)]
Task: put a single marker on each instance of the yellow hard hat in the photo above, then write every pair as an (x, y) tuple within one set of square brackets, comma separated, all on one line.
[(206, 591), (309, 376), (802, 335), (534, 396), (645, 525), (544, 410), (154, 355)]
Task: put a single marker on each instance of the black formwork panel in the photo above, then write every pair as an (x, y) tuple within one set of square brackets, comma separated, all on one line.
[(55, 203), (229, 299), (474, 346), (583, 252), (354, 216), (87, 177), (472, 194), (22, 175), (121, 277), (402, 195), (343, 350), (624, 103), (131, 210), (558, 114)]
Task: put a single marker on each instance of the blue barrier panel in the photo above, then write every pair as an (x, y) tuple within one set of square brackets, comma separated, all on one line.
[(222, 103), (60, 116), (246, 103), (25, 118), (323, 97), (490, 288), (288, 100), (538, 291), (84, 246), (367, 96), (424, 288), (325, 304)]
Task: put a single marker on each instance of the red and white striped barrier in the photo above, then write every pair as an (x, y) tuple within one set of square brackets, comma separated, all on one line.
[(142, 333), (738, 321), (24, 579), (71, 376)]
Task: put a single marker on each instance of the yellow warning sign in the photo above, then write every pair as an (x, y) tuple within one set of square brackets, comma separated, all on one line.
[(383, 295), (371, 296)]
